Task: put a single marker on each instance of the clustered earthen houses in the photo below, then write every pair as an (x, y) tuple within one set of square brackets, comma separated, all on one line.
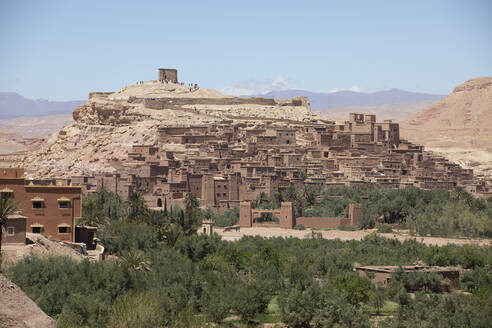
[(49, 207), (226, 163)]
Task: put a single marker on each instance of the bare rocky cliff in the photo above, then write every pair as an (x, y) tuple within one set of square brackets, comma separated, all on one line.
[(109, 123), (459, 126)]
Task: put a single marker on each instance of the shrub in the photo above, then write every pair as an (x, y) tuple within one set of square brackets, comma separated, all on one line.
[(299, 227), (249, 300), (346, 227), (83, 309), (141, 310), (355, 288), (334, 311), (385, 228), (124, 237), (298, 306), (216, 297), (228, 218)]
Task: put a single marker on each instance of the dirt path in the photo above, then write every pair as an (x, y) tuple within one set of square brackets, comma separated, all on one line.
[(343, 235)]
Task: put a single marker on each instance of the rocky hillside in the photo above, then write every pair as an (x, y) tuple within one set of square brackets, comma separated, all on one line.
[(19, 311), (458, 126), (109, 123)]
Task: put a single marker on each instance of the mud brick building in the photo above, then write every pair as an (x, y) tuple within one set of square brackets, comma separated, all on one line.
[(228, 163), (381, 275), (49, 208)]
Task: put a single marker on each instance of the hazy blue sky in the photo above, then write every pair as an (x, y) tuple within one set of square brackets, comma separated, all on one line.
[(62, 50)]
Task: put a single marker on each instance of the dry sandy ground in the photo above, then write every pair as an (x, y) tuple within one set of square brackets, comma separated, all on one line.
[(343, 235), (19, 311), (36, 127)]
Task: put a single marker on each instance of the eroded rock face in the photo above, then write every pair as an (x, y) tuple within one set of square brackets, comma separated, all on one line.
[(109, 123), (458, 125), (19, 311), (156, 101)]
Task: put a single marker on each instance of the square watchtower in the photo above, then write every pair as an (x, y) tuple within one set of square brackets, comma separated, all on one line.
[(168, 74)]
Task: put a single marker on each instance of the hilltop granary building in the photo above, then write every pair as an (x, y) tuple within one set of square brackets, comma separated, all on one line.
[(168, 75), (49, 208)]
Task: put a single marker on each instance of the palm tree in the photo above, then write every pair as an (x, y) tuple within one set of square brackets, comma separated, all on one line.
[(261, 199), (7, 208), (137, 209), (189, 219), (136, 260)]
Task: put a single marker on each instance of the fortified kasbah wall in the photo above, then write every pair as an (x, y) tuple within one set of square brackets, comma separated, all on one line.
[(322, 223), (285, 214), (154, 103), (355, 213)]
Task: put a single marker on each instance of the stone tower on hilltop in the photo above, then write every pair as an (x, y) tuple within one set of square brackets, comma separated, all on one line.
[(168, 74)]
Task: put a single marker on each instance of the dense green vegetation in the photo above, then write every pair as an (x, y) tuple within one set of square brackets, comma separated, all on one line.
[(167, 276), (434, 212), (424, 212)]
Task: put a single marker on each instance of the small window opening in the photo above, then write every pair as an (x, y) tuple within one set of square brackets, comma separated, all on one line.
[(63, 204), (37, 204)]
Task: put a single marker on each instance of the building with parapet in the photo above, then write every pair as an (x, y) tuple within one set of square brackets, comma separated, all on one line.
[(51, 208), (168, 75)]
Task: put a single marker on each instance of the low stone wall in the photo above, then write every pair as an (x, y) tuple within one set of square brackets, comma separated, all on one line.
[(79, 247), (172, 102), (322, 223)]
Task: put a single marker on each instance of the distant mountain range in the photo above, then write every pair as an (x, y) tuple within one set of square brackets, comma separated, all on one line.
[(340, 99), (14, 105)]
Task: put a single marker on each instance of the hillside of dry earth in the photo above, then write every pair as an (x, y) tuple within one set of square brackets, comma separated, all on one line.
[(19, 311), (458, 126), (36, 127), (395, 112)]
